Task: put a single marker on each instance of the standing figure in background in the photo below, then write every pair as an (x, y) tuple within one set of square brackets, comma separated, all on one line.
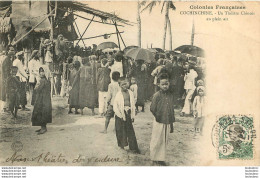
[(199, 110), (117, 66), (49, 61), (86, 87), (13, 85), (19, 63), (49, 53), (113, 88), (33, 67), (103, 80), (60, 46), (42, 111), (94, 66), (42, 50), (140, 76), (134, 88), (64, 79), (189, 87), (156, 72), (74, 88), (178, 82), (6, 73), (150, 81)]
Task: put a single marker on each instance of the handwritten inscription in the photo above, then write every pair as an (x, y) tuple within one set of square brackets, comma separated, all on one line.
[(58, 158), (43, 157)]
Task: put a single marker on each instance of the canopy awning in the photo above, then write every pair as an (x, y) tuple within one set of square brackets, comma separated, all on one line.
[(78, 6)]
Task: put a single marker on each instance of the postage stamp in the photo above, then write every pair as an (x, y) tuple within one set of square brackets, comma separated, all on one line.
[(235, 137)]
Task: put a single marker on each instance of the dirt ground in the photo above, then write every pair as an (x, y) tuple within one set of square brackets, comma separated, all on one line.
[(75, 140)]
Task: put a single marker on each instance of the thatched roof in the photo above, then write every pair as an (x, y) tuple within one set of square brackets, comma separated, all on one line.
[(78, 6), (4, 5)]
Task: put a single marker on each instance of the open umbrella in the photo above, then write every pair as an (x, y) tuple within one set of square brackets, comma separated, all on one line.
[(192, 50), (140, 54), (129, 47), (106, 45), (152, 50), (159, 50)]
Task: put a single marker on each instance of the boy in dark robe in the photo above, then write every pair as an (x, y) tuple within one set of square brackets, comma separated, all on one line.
[(13, 86), (163, 111)]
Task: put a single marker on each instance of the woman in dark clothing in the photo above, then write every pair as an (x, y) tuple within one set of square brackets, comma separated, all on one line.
[(140, 73), (86, 80), (74, 88), (150, 86), (42, 111)]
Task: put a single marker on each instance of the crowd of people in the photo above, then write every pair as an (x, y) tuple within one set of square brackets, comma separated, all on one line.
[(112, 82)]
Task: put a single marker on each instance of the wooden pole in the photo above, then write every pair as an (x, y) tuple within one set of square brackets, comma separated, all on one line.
[(192, 33), (98, 36), (118, 40), (79, 32), (139, 24), (85, 30), (120, 36)]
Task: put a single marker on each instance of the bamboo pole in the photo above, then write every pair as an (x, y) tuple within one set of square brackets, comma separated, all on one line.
[(97, 36), (118, 40), (79, 32), (120, 36), (85, 30)]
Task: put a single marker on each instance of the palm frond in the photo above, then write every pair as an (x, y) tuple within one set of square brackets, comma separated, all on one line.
[(142, 3), (171, 5), (150, 6), (164, 2)]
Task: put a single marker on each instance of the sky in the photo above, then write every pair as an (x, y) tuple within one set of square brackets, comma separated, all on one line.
[(224, 33), (152, 25)]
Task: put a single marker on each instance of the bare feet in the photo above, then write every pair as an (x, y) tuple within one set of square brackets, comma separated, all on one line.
[(42, 131), (182, 114), (104, 132)]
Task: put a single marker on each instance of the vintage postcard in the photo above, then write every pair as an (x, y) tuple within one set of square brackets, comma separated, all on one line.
[(129, 83)]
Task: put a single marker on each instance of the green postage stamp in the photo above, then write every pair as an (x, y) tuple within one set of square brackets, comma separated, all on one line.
[(235, 137)]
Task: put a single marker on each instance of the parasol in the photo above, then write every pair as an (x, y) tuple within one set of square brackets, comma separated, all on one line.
[(191, 50), (140, 54), (152, 50), (106, 45), (129, 47)]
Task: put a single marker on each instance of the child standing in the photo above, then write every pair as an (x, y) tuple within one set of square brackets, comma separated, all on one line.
[(113, 88), (134, 89), (198, 84), (13, 86), (198, 110), (163, 111), (124, 108), (103, 80)]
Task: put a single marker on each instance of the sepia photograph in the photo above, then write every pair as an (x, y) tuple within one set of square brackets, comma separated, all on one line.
[(129, 83)]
